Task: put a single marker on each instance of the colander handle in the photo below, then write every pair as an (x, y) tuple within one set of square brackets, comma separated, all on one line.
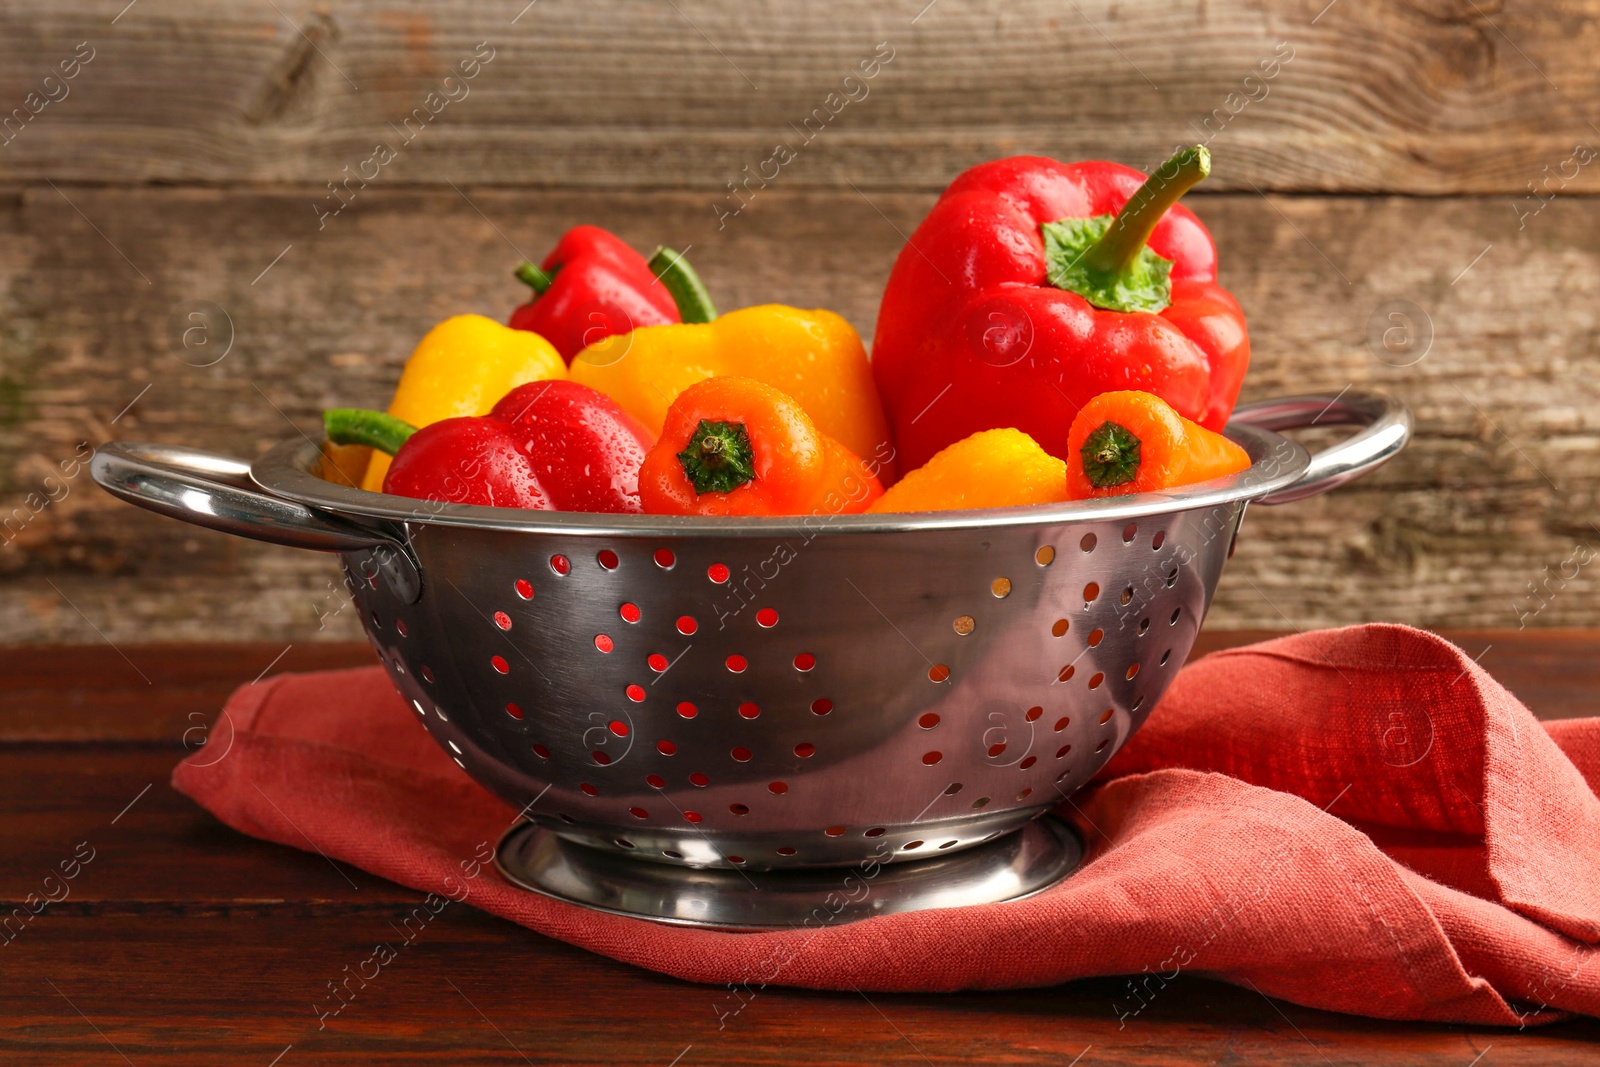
[(215, 491), (1386, 427)]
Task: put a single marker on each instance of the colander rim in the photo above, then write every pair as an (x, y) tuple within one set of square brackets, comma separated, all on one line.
[(286, 471)]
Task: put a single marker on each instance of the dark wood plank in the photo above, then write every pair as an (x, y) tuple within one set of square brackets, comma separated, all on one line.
[(1367, 96), (470, 989), (1495, 493)]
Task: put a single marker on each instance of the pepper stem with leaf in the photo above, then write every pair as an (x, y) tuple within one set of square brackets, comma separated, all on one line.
[(535, 277), (358, 426), (718, 458), (1105, 260)]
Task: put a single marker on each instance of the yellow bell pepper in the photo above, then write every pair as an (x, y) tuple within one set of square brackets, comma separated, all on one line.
[(462, 367), (814, 356), (990, 469)]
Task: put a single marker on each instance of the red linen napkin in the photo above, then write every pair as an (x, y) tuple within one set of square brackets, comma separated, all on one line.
[(1360, 820)]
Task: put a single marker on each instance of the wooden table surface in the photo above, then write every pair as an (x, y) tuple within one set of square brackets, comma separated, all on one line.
[(183, 942)]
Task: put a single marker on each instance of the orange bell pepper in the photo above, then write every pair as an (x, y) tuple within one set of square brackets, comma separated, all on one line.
[(734, 446), (1133, 442)]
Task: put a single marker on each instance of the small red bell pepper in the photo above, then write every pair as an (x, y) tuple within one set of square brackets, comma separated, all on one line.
[(547, 445), (592, 286), (1033, 286)]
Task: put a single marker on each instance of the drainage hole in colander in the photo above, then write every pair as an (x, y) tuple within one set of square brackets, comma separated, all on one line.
[(938, 673), (687, 710), (1105, 716), (1025, 794), (1063, 776), (524, 588), (541, 751), (629, 612), (560, 564), (1066, 673), (1129, 532), (672, 854), (1032, 714), (399, 666), (949, 844), (876, 831), (635, 693), (1172, 579), (400, 625), (749, 710), (1028, 762), (1144, 624), (665, 559), (427, 675), (766, 618), (834, 831), (805, 750), (499, 664), (1133, 669), (821, 706), (699, 780), (1126, 596), (1101, 747), (980, 802), (964, 624), (739, 809), (1088, 542), (502, 620), (952, 789), (638, 813), (692, 816), (618, 727), (437, 710), (737, 663), (569, 820), (1164, 657), (718, 572), (909, 845), (804, 662), (1061, 753), (1159, 539), (1094, 683), (1001, 588), (607, 559), (687, 625), (1062, 723), (657, 662), (1137, 704), (777, 789), (604, 643), (786, 850), (1045, 556), (1091, 591), (928, 720), (655, 781), (377, 623), (996, 749), (1060, 628), (588, 789), (740, 754), (514, 711), (1095, 637), (1176, 612), (666, 748), (418, 705), (454, 747), (931, 758), (735, 859)]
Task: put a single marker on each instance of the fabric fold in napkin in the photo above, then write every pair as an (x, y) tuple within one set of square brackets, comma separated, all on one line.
[(1360, 820)]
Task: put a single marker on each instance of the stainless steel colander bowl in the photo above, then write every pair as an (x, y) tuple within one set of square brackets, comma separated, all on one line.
[(774, 694)]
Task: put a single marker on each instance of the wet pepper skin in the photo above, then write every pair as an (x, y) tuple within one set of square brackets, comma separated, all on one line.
[(972, 336), (547, 445), (594, 287)]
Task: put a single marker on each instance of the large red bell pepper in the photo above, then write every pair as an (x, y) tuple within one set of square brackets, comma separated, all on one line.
[(592, 286), (549, 445), (1034, 286)]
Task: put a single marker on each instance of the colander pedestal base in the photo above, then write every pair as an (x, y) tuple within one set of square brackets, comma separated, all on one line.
[(1015, 865)]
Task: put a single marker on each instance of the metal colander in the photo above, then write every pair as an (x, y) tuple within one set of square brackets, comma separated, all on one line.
[(771, 694)]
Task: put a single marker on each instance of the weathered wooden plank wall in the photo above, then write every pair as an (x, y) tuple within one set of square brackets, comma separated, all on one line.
[(1383, 166)]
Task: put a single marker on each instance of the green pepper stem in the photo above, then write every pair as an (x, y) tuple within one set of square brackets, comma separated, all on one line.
[(688, 291), (358, 426), (719, 458), (1110, 455), (534, 277), (1128, 232)]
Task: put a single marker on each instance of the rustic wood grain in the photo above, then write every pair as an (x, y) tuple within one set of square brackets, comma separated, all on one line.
[(1432, 96), (1472, 526), (84, 693)]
